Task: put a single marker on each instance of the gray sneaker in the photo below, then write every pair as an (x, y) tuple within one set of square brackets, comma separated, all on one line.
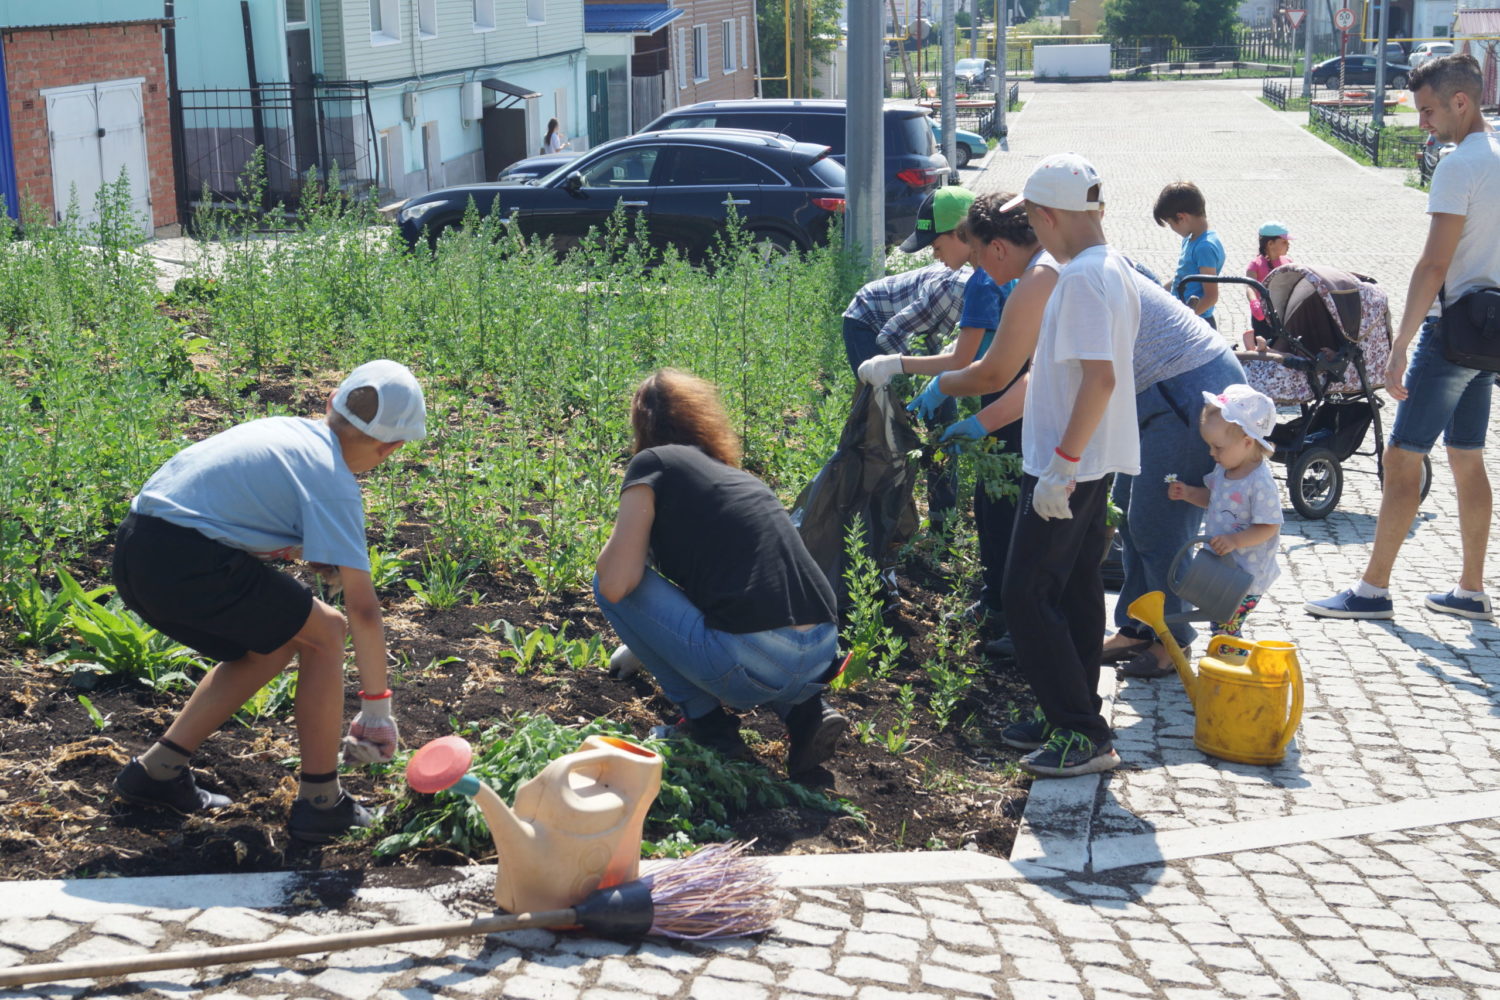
[(1027, 734)]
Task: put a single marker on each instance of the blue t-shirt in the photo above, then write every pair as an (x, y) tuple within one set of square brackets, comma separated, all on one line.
[(1198, 252), (277, 488), (983, 302)]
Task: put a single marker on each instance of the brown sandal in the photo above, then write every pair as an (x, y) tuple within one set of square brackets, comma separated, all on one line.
[(1124, 652), (1144, 665)]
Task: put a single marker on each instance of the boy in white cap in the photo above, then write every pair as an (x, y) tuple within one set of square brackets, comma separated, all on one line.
[(1079, 426), (192, 559), (1244, 508)]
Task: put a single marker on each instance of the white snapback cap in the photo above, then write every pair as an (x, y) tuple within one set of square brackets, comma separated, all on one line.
[(400, 415), (1060, 181)]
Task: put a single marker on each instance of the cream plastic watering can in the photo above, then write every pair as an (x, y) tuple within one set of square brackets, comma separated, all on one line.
[(575, 827), (1247, 696)]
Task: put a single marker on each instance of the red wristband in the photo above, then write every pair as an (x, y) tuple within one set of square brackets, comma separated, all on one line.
[(1064, 455), (382, 696)]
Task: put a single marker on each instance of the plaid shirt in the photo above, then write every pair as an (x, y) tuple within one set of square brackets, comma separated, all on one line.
[(926, 300)]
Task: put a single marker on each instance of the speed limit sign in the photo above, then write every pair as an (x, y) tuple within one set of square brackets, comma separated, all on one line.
[(1343, 19)]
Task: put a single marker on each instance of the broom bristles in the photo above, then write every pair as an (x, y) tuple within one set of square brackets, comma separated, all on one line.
[(715, 892)]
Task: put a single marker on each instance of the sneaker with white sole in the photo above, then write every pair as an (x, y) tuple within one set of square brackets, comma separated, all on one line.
[(1027, 734), (1450, 603), (1067, 754), (1348, 604)]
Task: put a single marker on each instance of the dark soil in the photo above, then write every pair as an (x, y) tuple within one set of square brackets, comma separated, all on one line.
[(947, 789)]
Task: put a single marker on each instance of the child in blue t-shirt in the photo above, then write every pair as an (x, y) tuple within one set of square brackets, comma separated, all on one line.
[(193, 560), (1181, 208)]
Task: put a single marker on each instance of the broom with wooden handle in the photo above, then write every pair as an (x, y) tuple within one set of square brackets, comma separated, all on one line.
[(714, 892)]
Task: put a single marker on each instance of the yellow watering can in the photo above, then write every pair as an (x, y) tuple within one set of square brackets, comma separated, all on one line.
[(575, 827), (1240, 692)]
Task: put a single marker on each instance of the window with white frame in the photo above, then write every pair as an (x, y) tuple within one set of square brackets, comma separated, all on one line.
[(484, 15), (700, 53), (385, 21), (296, 13), (426, 18), (726, 37), (536, 11), (680, 58)]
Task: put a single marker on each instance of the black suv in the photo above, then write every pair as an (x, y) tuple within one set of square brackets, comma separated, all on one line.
[(683, 181), (913, 165)]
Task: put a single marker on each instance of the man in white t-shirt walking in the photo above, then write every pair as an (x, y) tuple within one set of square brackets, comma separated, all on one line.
[(1462, 254), (1079, 426)]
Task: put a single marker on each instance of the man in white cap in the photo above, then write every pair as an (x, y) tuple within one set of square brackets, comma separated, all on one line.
[(1079, 427), (193, 560)]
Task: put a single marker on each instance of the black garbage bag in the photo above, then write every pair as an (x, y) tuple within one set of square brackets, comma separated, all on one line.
[(870, 475)]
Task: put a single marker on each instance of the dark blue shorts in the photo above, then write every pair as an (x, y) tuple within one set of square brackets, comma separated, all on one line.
[(221, 601)]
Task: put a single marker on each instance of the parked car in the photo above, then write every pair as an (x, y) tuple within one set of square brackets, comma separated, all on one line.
[(1393, 51), (974, 74), (683, 181), (913, 165), (1428, 51), (1359, 69), (1433, 151), (966, 145), (533, 167)]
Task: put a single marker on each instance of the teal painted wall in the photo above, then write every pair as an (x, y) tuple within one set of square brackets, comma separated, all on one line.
[(28, 12), (211, 43)]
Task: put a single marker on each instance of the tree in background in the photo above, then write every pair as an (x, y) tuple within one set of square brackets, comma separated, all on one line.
[(822, 38), (1191, 22)]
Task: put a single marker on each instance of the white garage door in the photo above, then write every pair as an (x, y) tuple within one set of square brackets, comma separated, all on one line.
[(97, 130)]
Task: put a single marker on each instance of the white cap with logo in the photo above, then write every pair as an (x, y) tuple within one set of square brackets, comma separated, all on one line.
[(400, 414), (1251, 410), (1062, 181)]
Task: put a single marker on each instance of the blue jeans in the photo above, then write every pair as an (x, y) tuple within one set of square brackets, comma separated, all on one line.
[(700, 668), (1154, 527), (1441, 397)]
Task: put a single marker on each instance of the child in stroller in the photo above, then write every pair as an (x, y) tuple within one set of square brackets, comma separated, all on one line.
[(1332, 339)]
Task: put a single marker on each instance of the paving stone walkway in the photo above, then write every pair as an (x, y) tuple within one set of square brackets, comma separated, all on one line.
[(1366, 865)]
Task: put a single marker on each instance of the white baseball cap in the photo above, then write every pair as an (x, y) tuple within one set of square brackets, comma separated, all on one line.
[(400, 413), (1060, 181), (1248, 409)]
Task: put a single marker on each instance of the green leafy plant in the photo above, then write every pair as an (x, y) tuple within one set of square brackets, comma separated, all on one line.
[(39, 613), (117, 643), (386, 569), (442, 582), (701, 791), (274, 700), (874, 648), (896, 739), (100, 721), (543, 648)]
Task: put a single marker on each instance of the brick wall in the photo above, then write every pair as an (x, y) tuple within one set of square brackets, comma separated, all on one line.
[(38, 59), (718, 86)]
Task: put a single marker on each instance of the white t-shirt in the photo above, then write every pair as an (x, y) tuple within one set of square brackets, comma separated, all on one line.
[(554, 143), (1467, 182), (1236, 504), (1093, 315)]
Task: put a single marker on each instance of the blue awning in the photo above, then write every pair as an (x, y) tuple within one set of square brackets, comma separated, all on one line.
[(628, 18)]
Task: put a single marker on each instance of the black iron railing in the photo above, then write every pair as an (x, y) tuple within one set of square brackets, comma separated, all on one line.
[(1363, 135)]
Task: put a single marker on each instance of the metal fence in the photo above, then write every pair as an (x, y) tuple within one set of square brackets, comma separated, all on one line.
[(1363, 135), (304, 131)]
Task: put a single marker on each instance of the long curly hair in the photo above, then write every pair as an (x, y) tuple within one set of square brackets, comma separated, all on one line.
[(673, 407)]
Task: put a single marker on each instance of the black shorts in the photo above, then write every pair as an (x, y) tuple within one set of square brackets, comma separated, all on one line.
[(221, 601)]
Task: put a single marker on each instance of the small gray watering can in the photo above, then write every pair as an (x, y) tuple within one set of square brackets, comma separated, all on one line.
[(1215, 585)]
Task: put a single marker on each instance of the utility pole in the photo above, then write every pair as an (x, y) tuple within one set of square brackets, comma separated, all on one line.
[(946, 82), (1307, 55), (1378, 111), (1002, 89), (864, 138), (796, 85)]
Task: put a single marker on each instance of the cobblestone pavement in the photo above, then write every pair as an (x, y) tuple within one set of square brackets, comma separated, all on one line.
[(1363, 866)]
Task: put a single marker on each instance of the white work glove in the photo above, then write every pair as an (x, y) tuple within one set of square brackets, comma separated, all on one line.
[(877, 371), (373, 738), (1050, 498)]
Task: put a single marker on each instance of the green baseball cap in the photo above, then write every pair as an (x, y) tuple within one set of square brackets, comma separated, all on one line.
[(940, 213)]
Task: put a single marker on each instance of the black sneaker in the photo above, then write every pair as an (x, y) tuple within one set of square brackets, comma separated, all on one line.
[(180, 794), (1067, 754), (718, 730), (813, 730), (319, 826), (1027, 734)]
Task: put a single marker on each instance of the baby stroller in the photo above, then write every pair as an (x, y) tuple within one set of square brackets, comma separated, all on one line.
[(1328, 356)]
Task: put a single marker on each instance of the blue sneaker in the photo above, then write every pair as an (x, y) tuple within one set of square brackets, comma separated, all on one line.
[(1464, 607), (1348, 604)]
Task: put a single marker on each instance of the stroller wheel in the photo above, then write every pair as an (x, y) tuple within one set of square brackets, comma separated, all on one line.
[(1315, 479), (1426, 475)]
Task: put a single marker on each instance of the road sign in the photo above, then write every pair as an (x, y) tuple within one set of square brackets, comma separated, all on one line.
[(1343, 19), (1294, 17)]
